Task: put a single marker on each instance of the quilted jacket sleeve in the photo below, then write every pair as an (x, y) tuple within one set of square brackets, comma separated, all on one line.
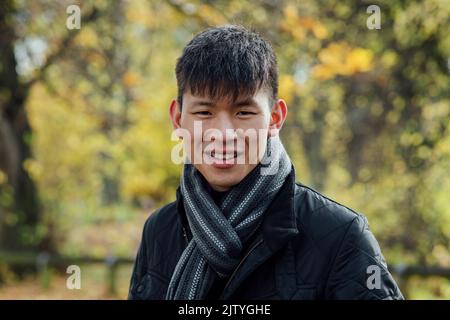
[(140, 265), (359, 270)]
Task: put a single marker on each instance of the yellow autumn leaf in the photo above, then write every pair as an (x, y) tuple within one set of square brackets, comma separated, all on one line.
[(320, 31), (340, 59), (307, 22), (321, 72), (299, 26), (298, 34), (210, 14), (290, 13), (287, 87), (333, 58), (130, 79), (360, 60), (87, 37)]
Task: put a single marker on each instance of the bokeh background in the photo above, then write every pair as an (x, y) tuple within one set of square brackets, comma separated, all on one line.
[(85, 134)]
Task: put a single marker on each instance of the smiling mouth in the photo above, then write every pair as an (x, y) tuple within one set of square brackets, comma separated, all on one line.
[(224, 156)]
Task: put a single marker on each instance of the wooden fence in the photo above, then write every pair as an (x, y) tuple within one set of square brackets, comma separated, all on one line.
[(43, 261)]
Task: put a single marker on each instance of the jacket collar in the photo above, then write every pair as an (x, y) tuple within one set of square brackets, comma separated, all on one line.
[(279, 222)]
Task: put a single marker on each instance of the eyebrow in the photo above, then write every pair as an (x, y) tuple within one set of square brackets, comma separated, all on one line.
[(245, 102), (208, 103), (204, 103)]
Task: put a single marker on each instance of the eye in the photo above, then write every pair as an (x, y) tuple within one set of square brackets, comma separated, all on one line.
[(202, 113), (245, 113)]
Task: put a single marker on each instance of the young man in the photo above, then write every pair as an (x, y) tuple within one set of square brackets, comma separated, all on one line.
[(241, 227)]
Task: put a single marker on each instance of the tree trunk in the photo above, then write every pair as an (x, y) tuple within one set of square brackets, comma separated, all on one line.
[(14, 145)]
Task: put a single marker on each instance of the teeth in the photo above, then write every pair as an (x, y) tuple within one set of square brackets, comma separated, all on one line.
[(225, 156)]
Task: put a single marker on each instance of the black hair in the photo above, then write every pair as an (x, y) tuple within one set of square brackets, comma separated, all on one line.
[(227, 61)]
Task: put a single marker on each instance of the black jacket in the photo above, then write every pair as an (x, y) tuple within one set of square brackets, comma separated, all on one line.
[(308, 247)]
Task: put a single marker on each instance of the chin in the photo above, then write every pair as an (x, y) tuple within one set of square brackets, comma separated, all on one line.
[(224, 178)]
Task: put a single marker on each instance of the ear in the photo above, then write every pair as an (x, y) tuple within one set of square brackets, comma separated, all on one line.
[(277, 117), (175, 114)]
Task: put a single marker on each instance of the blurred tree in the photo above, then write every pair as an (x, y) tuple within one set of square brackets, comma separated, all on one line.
[(19, 218), (14, 127)]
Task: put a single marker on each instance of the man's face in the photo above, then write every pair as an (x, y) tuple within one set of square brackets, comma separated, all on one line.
[(226, 150)]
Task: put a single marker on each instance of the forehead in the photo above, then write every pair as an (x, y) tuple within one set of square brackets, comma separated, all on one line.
[(260, 98)]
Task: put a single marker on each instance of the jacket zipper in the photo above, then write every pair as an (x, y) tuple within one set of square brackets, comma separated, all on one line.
[(240, 263)]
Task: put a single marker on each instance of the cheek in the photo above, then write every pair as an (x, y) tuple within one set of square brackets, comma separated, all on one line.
[(187, 124), (260, 122)]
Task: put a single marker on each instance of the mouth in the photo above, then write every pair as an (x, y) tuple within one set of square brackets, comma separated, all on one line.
[(222, 160), (223, 156)]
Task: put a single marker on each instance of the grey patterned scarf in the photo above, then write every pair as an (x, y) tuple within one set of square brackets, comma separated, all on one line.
[(220, 230)]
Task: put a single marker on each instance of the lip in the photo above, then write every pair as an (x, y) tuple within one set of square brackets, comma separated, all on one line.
[(224, 161), (223, 165)]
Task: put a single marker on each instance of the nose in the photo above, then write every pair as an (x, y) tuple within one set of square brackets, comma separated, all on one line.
[(224, 126), (223, 122)]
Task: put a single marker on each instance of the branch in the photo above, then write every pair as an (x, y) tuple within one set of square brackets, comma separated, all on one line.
[(65, 45)]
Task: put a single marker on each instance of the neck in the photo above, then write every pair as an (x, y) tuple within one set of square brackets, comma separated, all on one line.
[(219, 188)]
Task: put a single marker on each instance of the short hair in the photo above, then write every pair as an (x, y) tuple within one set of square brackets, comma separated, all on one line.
[(227, 61)]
